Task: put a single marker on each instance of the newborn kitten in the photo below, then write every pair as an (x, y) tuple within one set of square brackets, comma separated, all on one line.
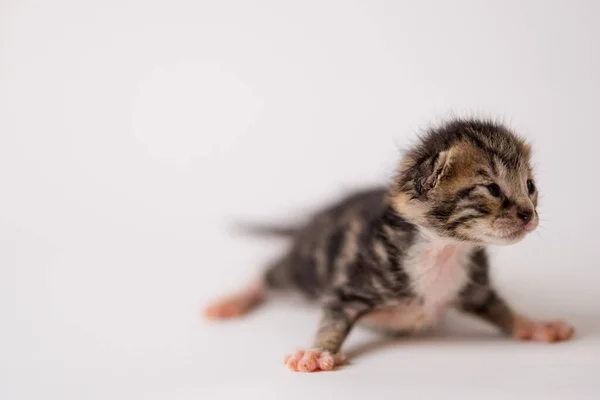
[(396, 258)]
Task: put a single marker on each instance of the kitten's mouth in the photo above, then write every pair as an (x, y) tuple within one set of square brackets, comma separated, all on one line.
[(513, 231), (519, 233)]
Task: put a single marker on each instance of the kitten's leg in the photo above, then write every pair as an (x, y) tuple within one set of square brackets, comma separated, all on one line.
[(338, 318), (237, 304), (484, 302), (240, 303)]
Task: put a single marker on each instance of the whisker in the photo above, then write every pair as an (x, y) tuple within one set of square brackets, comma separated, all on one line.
[(540, 235)]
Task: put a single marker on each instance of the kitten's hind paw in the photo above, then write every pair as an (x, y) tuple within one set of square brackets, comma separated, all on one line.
[(238, 304)]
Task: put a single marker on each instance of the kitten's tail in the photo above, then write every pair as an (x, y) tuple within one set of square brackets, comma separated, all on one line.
[(266, 230)]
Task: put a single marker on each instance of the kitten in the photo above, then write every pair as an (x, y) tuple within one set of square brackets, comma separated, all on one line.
[(394, 259)]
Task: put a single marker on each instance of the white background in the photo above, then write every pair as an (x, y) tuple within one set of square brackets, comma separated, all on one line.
[(132, 133)]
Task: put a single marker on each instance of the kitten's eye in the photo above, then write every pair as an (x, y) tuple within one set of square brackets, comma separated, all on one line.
[(494, 190), (530, 186)]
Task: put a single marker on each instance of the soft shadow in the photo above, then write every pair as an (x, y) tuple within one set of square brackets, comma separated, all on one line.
[(423, 338), (457, 328)]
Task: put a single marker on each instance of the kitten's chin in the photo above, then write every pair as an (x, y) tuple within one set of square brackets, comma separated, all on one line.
[(491, 238), (505, 239)]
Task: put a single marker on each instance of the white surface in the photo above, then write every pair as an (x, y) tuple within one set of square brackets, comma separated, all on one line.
[(131, 132)]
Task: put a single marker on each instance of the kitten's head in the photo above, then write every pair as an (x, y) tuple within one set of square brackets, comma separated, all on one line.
[(470, 180)]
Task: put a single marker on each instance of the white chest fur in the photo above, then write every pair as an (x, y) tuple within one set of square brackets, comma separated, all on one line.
[(438, 270)]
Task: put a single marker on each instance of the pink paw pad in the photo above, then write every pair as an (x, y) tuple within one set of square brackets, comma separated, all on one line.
[(548, 332), (313, 361)]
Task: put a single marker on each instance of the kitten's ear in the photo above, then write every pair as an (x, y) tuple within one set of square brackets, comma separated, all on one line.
[(433, 170), (526, 148)]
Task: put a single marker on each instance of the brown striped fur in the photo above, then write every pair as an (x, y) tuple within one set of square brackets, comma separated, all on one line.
[(369, 257)]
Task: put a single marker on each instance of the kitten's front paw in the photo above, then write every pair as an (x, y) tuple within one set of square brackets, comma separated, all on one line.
[(313, 360), (549, 332)]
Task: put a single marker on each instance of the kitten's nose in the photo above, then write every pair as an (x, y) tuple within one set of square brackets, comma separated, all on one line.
[(525, 214)]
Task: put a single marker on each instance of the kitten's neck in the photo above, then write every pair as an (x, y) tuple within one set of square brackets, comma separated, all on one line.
[(399, 221), (430, 238)]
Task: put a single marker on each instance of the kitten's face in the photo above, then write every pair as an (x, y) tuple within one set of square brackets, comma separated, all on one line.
[(473, 194), (482, 199)]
